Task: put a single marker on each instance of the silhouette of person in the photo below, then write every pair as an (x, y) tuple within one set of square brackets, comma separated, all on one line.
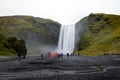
[(61, 54), (67, 54), (41, 55)]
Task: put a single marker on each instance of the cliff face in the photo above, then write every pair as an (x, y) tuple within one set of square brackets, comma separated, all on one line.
[(35, 31), (99, 34)]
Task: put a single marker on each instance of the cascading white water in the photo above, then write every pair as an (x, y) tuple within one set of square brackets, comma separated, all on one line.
[(66, 39)]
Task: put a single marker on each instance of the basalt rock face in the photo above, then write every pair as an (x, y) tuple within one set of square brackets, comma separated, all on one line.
[(99, 34), (35, 31)]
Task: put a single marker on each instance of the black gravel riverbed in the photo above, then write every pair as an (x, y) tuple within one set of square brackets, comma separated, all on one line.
[(67, 68)]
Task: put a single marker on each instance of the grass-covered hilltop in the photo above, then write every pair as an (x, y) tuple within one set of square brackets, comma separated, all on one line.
[(12, 46), (99, 35), (35, 31)]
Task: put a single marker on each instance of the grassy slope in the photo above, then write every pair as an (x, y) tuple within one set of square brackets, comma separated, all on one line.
[(21, 26), (100, 35), (35, 31)]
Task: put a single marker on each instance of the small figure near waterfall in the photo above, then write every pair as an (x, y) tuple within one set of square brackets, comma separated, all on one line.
[(61, 54), (41, 55), (54, 54), (49, 54), (71, 54), (19, 56), (67, 54)]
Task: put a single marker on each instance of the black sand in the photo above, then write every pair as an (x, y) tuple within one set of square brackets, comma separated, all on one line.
[(66, 68)]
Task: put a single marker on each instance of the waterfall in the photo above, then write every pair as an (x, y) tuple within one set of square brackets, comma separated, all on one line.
[(66, 41)]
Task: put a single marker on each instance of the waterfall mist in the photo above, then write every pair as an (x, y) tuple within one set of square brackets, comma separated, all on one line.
[(41, 49), (66, 39)]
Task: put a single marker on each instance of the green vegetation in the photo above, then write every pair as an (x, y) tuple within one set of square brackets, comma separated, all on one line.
[(11, 46), (25, 27), (100, 35), (5, 48), (35, 31), (18, 46)]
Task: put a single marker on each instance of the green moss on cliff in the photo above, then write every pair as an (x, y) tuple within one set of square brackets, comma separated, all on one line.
[(21, 26), (9, 45), (35, 31), (100, 35)]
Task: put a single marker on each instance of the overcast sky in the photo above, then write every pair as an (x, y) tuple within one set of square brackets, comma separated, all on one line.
[(63, 11)]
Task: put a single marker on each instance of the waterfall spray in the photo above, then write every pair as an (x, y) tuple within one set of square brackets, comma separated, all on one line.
[(66, 39)]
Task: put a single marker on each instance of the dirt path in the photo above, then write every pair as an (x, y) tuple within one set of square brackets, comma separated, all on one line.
[(66, 68)]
